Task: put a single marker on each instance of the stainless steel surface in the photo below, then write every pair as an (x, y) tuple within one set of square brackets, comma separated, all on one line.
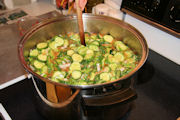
[(92, 23), (10, 67)]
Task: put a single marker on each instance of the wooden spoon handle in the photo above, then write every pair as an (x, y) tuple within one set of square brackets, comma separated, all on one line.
[(57, 94), (80, 23), (51, 92)]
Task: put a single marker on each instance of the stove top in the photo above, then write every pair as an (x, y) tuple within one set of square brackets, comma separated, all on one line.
[(157, 86)]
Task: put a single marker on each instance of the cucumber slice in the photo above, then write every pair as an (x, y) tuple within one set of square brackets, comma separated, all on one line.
[(93, 36), (100, 36), (111, 59), (77, 58), (89, 54), (57, 75), (94, 47), (34, 53), (44, 51), (108, 38), (113, 78), (106, 69), (82, 50), (92, 76), (53, 45), (76, 74), (38, 64), (42, 57), (42, 45), (128, 53), (113, 66), (44, 69), (95, 43), (120, 46), (75, 66), (56, 43), (70, 52), (66, 42), (119, 56), (59, 41), (75, 37), (105, 76)]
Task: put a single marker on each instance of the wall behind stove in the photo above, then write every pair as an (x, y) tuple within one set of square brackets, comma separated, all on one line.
[(161, 42)]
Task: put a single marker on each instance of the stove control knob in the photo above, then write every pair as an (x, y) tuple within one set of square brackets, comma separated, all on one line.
[(175, 13)]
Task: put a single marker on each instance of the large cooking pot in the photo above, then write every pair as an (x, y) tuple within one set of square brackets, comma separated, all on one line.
[(47, 103), (93, 24)]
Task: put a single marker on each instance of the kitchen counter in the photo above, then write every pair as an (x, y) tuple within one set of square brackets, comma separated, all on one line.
[(11, 69)]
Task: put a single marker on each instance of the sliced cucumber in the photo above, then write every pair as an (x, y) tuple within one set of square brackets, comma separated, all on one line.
[(57, 75), (42, 57), (111, 59), (75, 37), (44, 69), (128, 53), (113, 78), (119, 56), (66, 42), (105, 76), (113, 66), (106, 69), (59, 41), (34, 53), (120, 46), (89, 54), (94, 47), (56, 43), (77, 57), (42, 45), (75, 66), (76, 74), (44, 51), (70, 52), (130, 60), (93, 36), (95, 43), (38, 64), (53, 45), (108, 38), (72, 45), (82, 50), (100, 36), (92, 76)]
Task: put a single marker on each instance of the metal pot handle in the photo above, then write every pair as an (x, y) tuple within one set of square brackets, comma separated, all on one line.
[(56, 105), (111, 99)]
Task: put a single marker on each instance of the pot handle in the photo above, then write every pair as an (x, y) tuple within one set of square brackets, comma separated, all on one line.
[(55, 105), (111, 99)]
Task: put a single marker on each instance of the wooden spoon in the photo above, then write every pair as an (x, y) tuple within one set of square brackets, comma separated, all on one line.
[(80, 23), (57, 94)]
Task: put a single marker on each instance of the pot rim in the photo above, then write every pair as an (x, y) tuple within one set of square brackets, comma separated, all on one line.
[(124, 25)]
